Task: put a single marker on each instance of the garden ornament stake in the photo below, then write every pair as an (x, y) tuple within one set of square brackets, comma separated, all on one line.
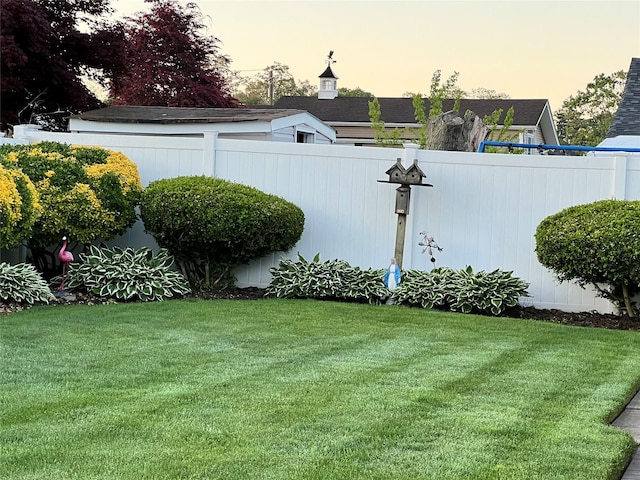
[(406, 177), (65, 258), (429, 244)]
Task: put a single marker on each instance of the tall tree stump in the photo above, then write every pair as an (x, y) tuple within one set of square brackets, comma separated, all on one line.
[(451, 132)]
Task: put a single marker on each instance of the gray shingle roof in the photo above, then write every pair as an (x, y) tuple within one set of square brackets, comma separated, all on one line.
[(626, 120), (171, 115), (400, 110)]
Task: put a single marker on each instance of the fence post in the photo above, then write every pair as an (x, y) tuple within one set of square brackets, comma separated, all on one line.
[(619, 177), (410, 152), (209, 153), (25, 132)]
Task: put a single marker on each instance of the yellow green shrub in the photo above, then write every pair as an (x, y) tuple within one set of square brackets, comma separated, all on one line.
[(19, 206), (87, 193)]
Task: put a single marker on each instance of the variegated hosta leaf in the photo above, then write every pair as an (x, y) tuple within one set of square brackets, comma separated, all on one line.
[(461, 290), (332, 279), (23, 283), (128, 274)]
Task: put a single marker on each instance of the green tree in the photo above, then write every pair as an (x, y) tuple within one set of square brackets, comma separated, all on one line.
[(353, 92), (270, 84), (487, 93), (439, 91), (500, 133), (383, 136), (585, 117)]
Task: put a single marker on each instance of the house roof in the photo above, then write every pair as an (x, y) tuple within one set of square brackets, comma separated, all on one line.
[(400, 110), (626, 120), (153, 120), (174, 115)]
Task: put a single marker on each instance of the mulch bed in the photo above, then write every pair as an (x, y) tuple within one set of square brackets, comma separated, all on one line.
[(582, 319)]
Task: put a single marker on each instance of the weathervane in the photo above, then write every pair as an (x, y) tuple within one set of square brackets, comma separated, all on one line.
[(330, 59)]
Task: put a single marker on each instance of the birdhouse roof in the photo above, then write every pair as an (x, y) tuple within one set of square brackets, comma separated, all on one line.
[(415, 167), (396, 166), (399, 167)]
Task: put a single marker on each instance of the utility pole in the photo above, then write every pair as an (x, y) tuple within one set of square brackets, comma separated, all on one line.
[(271, 87)]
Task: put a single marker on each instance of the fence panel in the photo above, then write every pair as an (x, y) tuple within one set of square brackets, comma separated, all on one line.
[(483, 209)]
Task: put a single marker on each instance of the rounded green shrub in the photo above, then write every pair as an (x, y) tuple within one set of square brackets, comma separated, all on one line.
[(211, 225), (596, 243)]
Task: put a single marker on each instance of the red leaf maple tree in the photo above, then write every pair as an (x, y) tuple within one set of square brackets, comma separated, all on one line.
[(168, 61)]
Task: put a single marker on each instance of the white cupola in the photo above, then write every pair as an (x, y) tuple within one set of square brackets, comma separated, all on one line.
[(328, 81)]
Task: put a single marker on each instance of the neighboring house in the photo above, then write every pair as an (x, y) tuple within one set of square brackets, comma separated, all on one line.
[(533, 121), (625, 126), (279, 125)]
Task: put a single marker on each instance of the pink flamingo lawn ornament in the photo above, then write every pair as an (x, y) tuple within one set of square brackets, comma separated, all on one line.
[(66, 258)]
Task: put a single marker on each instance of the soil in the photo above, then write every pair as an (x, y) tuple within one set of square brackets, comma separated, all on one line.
[(582, 319)]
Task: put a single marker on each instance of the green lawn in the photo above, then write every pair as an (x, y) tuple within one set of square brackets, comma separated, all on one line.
[(302, 389)]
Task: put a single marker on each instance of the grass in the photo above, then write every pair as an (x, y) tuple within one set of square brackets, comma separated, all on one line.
[(285, 389)]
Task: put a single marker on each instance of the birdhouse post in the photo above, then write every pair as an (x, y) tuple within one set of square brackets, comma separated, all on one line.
[(406, 177)]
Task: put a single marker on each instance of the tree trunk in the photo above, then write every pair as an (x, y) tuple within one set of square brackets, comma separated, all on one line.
[(451, 132), (627, 300)]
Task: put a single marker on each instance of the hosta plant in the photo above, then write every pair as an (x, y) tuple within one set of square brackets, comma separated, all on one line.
[(424, 289), (461, 290), (486, 292), (23, 284), (332, 279), (127, 274)]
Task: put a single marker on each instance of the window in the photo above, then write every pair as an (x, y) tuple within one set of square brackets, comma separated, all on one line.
[(530, 136), (304, 137), (327, 85)]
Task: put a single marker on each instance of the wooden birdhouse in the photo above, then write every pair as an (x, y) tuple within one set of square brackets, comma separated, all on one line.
[(409, 176), (406, 177), (414, 174), (403, 199)]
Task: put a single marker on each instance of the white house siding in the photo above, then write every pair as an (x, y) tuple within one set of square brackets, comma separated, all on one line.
[(483, 208), (248, 136)]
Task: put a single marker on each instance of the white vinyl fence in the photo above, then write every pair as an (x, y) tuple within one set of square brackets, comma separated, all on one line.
[(483, 209)]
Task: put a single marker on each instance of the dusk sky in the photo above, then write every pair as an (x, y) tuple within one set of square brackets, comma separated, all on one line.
[(524, 48)]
